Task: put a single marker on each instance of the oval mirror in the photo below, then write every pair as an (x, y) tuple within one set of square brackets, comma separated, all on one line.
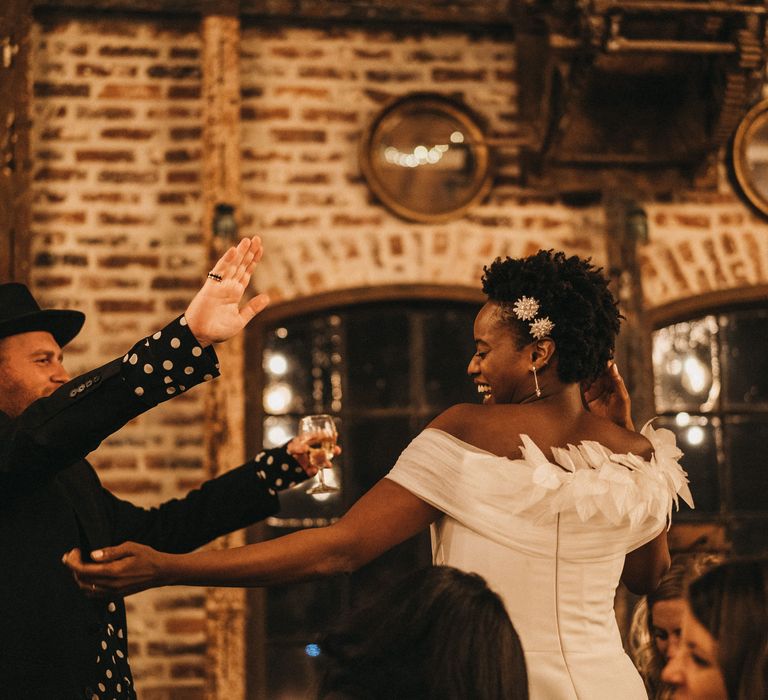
[(425, 157), (749, 157)]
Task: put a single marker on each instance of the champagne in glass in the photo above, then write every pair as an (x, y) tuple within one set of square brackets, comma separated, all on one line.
[(322, 431)]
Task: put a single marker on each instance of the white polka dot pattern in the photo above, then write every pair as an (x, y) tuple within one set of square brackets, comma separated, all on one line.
[(168, 363), (112, 675), (277, 469)]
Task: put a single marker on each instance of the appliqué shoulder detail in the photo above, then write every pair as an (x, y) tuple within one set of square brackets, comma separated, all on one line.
[(590, 479)]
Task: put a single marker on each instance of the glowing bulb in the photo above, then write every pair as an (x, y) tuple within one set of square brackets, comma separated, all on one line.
[(277, 398), (694, 375), (277, 364), (277, 435), (457, 137), (683, 419), (694, 435), (281, 332)]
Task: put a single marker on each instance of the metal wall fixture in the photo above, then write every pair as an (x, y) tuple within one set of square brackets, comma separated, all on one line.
[(426, 158), (748, 157)]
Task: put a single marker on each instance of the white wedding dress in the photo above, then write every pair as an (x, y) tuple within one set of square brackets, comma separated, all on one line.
[(550, 538)]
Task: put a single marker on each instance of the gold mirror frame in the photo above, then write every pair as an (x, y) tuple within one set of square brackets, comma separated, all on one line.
[(425, 157), (749, 157)]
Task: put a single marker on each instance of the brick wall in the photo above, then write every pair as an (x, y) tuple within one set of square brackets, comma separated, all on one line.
[(697, 248), (117, 219), (307, 96)]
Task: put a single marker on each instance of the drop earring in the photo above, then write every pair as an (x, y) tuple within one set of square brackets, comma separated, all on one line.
[(536, 381)]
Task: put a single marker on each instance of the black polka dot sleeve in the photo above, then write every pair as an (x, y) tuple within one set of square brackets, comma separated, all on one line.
[(278, 469), (168, 363)]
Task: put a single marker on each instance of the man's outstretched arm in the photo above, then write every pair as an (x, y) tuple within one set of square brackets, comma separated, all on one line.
[(57, 430)]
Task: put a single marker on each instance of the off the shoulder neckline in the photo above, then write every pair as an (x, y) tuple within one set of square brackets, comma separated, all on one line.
[(524, 437)]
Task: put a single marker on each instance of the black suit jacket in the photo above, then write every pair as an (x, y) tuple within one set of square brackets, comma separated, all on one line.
[(51, 500)]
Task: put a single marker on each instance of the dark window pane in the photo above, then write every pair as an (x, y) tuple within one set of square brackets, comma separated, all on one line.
[(745, 335), (287, 370), (750, 537), (382, 573), (303, 609), (685, 366), (373, 445), (300, 365), (745, 444), (696, 438), (448, 348), (378, 358), (300, 509), (292, 672)]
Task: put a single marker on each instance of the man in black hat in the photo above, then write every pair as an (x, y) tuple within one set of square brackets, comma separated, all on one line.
[(56, 643)]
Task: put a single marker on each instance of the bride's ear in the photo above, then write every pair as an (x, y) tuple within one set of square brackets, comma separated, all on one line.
[(542, 352)]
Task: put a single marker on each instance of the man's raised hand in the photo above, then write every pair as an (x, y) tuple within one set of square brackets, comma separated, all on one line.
[(215, 315)]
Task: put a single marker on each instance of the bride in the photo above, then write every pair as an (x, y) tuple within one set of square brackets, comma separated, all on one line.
[(551, 502)]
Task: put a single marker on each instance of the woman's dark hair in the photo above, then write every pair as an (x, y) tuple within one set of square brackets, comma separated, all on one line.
[(573, 294), (731, 602), (440, 634)]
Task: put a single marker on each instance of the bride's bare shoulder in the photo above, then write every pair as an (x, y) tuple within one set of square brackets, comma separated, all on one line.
[(472, 422), (623, 441), (461, 419), (452, 419)]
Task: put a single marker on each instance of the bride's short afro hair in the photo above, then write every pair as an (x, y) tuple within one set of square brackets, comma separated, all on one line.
[(573, 294)]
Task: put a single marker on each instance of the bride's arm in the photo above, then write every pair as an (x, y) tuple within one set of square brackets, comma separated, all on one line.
[(382, 518), (644, 566)]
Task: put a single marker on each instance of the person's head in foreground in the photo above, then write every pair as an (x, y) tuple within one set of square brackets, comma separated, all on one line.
[(439, 634), (656, 627), (549, 312), (723, 653)]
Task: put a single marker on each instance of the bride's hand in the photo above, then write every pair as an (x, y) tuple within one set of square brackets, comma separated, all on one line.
[(118, 571), (608, 397)]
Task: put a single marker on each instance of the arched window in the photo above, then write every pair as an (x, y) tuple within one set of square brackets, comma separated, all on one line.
[(711, 389), (383, 370)]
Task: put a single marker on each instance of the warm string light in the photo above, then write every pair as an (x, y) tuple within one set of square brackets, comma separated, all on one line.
[(421, 155)]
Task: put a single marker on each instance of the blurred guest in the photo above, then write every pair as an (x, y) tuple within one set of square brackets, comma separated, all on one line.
[(723, 652), (440, 634), (654, 634)]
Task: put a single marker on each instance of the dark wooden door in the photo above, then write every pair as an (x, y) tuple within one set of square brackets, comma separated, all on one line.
[(15, 91)]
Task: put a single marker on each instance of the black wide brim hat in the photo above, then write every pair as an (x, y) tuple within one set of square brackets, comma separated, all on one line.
[(20, 313)]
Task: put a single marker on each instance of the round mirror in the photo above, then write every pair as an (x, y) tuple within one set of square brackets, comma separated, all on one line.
[(750, 157), (424, 156)]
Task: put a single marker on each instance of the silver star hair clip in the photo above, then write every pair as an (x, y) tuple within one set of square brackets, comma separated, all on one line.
[(525, 309)]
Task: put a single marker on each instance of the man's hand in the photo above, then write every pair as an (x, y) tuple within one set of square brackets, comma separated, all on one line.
[(214, 315), (608, 397), (298, 448), (127, 568)]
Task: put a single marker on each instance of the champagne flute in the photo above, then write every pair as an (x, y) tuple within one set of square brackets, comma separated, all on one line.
[(322, 431)]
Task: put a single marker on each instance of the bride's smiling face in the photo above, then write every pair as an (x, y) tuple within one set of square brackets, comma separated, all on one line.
[(500, 368)]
